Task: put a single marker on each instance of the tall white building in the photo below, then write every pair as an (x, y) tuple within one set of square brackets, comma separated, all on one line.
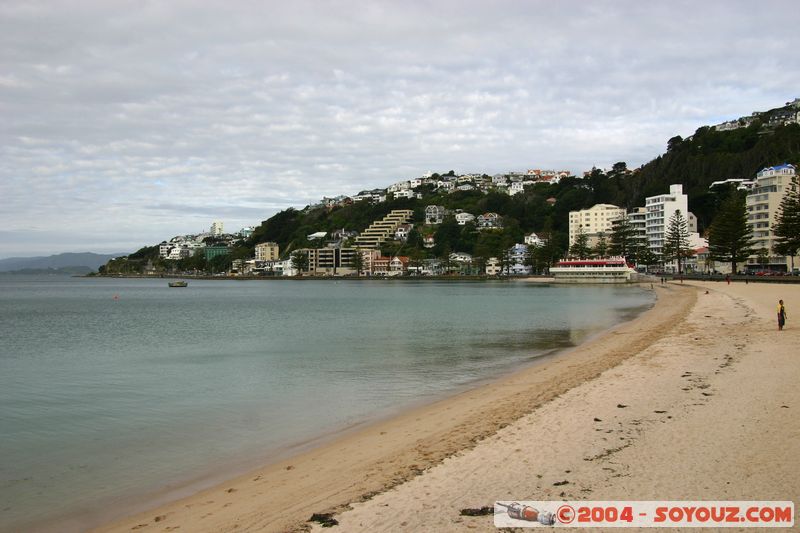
[(659, 209), (638, 220), (217, 228), (763, 202), (593, 221)]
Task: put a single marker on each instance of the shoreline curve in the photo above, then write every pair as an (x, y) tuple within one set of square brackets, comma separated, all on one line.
[(358, 465)]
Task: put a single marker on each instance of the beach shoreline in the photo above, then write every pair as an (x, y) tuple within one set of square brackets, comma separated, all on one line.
[(706, 412), (361, 463)]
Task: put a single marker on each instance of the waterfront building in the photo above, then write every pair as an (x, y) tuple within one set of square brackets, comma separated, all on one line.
[(267, 251), (516, 260), (398, 265), (763, 203), (593, 222), (329, 261), (610, 270), (380, 265), (638, 221), (659, 210), (216, 250), (493, 267), (460, 257)]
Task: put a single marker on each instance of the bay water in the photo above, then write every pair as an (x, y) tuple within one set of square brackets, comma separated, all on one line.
[(116, 390)]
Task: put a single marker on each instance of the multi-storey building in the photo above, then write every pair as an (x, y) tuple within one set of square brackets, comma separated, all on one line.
[(329, 261), (267, 251), (763, 202), (638, 221), (593, 222), (216, 250), (659, 211), (217, 228), (382, 230)]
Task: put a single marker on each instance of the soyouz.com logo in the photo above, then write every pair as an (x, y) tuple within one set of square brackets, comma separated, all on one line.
[(712, 514)]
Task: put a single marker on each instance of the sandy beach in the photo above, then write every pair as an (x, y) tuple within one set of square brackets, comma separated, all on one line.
[(693, 400)]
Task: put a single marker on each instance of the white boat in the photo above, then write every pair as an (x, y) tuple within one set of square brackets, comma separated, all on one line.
[(607, 270)]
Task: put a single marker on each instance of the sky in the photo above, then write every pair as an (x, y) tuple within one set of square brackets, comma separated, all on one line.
[(124, 123)]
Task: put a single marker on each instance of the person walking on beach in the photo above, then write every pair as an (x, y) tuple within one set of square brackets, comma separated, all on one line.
[(781, 315)]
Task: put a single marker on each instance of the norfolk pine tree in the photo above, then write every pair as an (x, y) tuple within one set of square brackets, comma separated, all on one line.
[(623, 238), (601, 248), (580, 248), (729, 235), (676, 241), (300, 261)]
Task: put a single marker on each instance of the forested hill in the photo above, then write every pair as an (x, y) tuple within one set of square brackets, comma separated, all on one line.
[(710, 156), (695, 162)]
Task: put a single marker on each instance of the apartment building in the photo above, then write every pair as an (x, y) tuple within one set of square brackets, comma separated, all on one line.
[(382, 230), (267, 251), (763, 202), (638, 221), (330, 261), (658, 212), (217, 228), (593, 222)]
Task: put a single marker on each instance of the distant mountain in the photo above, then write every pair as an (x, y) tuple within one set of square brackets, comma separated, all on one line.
[(66, 271), (87, 260)]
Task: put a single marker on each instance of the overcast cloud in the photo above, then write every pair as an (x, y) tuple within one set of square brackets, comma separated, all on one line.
[(125, 123)]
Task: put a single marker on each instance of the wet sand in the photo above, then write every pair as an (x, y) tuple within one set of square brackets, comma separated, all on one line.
[(707, 412), (361, 465)]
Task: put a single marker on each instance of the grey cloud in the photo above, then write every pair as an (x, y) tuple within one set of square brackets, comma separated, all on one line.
[(112, 109)]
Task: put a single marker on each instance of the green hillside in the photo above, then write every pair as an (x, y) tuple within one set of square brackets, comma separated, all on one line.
[(696, 162)]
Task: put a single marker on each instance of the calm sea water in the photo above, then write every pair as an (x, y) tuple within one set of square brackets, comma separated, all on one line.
[(114, 389)]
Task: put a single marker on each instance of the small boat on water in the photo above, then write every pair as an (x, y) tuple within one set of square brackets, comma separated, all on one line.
[(178, 284)]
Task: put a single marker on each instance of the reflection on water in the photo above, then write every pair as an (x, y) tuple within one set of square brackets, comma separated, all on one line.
[(95, 388)]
